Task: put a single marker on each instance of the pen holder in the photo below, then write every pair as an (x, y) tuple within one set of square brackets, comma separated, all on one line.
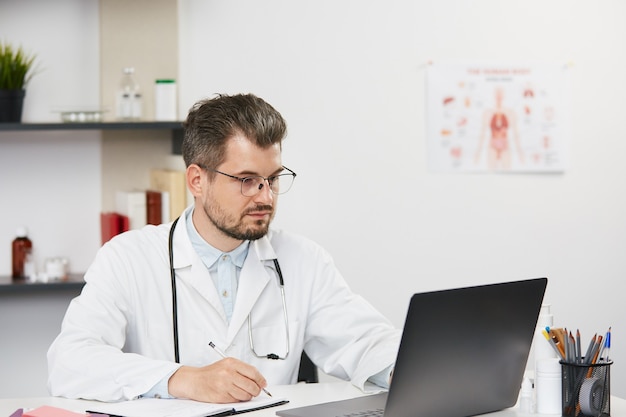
[(586, 389)]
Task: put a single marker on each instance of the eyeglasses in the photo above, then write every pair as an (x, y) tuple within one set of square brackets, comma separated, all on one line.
[(251, 186)]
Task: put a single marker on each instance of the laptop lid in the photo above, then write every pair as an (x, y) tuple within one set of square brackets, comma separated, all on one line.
[(463, 352)]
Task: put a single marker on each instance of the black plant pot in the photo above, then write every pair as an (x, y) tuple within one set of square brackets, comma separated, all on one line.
[(11, 104)]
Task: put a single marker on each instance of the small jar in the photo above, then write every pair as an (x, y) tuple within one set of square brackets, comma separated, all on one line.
[(165, 106), (56, 268)]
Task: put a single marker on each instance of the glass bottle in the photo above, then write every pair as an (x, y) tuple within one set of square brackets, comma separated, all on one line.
[(129, 101), (21, 248)]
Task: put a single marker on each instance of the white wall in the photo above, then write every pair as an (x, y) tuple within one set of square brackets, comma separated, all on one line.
[(349, 76)]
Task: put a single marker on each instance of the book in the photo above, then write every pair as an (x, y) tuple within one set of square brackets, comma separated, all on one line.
[(140, 207), (174, 183), (133, 205), (112, 224), (171, 407), (50, 411), (154, 207), (165, 206)]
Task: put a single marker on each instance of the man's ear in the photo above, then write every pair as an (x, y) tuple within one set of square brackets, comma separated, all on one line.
[(194, 180)]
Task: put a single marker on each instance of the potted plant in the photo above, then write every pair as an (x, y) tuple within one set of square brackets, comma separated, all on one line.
[(16, 69)]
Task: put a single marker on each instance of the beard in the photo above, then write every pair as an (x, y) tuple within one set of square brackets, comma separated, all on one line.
[(234, 227)]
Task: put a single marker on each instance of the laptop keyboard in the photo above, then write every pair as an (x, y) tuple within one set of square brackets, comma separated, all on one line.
[(377, 412)]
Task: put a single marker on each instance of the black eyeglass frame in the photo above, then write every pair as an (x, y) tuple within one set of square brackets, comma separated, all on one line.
[(270, 180)]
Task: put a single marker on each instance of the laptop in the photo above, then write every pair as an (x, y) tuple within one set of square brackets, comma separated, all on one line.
[(463, 352)]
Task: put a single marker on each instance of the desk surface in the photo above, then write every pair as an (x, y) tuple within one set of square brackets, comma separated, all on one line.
[(299, 395)]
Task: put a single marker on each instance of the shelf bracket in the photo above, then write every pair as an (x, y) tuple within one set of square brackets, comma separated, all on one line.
[(177, 141)]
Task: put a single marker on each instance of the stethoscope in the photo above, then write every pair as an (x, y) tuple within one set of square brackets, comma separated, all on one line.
[(175, 307)]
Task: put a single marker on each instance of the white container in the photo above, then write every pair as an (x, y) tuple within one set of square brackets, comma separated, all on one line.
[(541, 346), (165, 103), (56, 268), (548, 386)]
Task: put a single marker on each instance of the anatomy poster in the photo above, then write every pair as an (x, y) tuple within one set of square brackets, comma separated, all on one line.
[(497, 117)]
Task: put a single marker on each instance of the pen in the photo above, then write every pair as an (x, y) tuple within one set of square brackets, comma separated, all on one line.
[(223, 355), (606, 347)]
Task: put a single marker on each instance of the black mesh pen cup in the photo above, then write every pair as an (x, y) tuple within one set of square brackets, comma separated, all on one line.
[(586, 390)]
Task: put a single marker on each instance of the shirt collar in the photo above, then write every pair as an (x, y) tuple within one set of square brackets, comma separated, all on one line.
[(210, 254)]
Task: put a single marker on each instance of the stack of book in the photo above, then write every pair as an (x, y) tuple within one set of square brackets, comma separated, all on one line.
[(165, 200)]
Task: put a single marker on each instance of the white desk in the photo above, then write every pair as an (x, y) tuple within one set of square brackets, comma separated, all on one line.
[(298, 395)]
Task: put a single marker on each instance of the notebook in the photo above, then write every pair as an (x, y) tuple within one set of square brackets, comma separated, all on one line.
[(463, 352)]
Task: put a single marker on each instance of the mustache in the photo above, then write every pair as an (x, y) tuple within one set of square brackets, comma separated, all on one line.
[(258, 208)]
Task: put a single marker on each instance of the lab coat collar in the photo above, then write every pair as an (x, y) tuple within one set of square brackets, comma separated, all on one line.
[(182, 244), (198, 276), (263, 248), (255, 276), (252, 281)]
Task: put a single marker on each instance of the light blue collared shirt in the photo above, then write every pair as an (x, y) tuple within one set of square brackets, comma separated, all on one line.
[(224, 268)]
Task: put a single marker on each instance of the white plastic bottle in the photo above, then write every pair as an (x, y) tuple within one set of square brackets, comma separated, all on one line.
[(548, 386), (542, 351), (165, 105), (128, 100), (541, 347)]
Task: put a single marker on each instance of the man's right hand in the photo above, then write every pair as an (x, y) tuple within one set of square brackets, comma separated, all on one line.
[(226, 381)]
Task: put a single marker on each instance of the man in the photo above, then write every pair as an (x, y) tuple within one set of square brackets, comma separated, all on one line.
[(228, 268)]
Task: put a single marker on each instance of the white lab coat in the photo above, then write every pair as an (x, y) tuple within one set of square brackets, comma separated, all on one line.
[(116, 340)]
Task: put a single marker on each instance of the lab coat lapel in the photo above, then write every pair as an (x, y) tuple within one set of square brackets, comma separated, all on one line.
[(253, 279), (192, 270), (201, 281)]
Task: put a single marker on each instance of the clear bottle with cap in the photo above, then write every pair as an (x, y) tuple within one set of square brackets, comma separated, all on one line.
[(21, 249), (128, 100)]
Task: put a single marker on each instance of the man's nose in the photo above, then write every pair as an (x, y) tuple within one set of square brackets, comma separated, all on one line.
[(264, 194)]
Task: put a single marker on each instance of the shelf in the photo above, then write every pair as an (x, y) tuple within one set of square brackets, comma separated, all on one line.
[(92, 126), (13, 286), (175, 127)]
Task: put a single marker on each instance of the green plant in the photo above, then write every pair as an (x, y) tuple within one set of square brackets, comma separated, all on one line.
[(16, 67)]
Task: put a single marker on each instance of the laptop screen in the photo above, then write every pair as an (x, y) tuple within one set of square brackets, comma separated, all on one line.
[(463, 352)]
